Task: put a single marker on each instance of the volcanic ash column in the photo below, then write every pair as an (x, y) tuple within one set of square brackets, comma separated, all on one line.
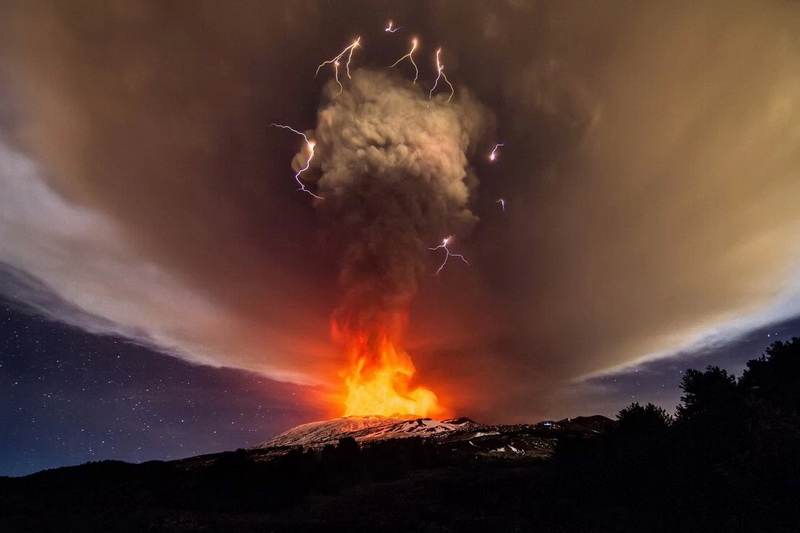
[(394, 176)]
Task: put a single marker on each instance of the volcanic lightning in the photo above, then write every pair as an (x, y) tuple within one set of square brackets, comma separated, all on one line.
[(336, 77), (410, 56), (493, 155), (502, 203), (441, 74), (448, 253), (335, 61), (389, 27), (310, 145)]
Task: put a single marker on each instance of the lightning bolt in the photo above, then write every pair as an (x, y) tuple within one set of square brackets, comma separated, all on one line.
[(493, 155), (502, 203), (440, 70), (390, 29), (310, 145), (410, 57), (336, 75), (337, 59), (448, 254)]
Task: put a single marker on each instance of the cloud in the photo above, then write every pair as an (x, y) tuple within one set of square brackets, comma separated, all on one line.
[(650, 173), (75, 265), (395, 180)]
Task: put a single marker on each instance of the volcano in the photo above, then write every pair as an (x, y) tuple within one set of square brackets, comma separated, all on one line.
[(461, 436), (355, 473), (367, 428)]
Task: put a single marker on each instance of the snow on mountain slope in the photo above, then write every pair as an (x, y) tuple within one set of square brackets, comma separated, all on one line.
[(457, 435), (327, 430), (365, 428), (421, 427)]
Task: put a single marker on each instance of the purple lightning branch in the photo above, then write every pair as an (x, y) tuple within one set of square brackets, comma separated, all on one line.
[(448, 254), (391, 29)]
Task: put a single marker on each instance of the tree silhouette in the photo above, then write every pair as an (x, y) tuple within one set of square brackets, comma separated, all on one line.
[(775, 377), (648, 418), (707, 396)]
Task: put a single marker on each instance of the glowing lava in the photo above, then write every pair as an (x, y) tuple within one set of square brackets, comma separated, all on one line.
[(378, 378)]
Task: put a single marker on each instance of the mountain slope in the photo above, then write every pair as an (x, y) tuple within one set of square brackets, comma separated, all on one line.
[(365, 428)]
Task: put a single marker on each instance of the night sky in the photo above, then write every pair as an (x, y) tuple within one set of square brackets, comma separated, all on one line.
[(69, 397), (165, 289)]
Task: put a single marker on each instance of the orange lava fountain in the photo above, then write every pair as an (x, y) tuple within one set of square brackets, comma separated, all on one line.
[(378, 378)]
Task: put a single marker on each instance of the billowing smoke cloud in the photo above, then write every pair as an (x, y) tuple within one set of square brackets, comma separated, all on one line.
[(395, 180), (134, 185), (650, 173), (76, 265)]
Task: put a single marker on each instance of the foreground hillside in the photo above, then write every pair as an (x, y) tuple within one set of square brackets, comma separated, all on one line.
[(354, 474), (728, 461), (584, 474)]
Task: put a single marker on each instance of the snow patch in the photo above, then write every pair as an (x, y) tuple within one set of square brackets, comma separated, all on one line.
[(365, 429)]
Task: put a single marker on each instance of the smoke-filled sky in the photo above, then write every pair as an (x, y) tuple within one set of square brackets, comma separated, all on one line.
[(651, 173)]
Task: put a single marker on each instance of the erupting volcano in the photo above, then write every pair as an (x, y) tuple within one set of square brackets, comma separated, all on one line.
[(392, 172), (378, 378)]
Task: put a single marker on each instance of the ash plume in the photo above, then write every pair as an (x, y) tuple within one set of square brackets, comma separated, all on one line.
[(650, 171), (395, 178)]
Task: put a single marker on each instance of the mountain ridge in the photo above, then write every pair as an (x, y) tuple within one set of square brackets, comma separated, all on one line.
[(517, 440), (364, 428)]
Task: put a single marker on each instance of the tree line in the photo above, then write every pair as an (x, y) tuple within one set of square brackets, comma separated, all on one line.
[(728, 460)]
